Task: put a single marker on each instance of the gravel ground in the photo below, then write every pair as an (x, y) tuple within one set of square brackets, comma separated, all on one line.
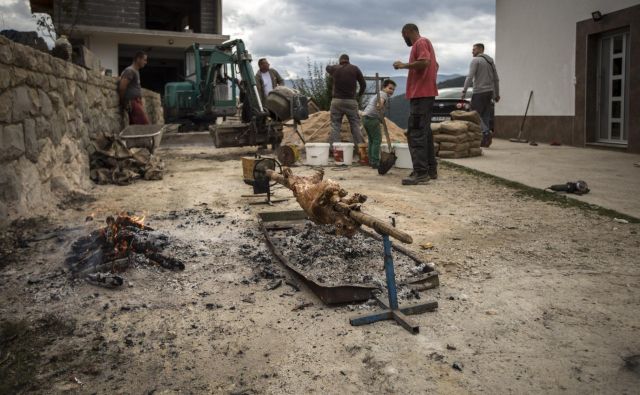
[(534, 297)]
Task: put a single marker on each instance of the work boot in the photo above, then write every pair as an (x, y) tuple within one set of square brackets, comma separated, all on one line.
[(433, 173), (483, 142), (489, 139), (416, 178)]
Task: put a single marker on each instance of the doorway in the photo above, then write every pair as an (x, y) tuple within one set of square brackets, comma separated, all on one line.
[(613, 88)]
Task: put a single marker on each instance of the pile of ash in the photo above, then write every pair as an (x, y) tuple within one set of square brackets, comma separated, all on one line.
[(330, 259)]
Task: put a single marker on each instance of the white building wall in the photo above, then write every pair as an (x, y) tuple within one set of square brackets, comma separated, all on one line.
[(535, 50), (106, 49)]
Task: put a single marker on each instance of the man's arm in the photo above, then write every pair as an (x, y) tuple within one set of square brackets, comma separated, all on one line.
[(122, 87), (473, 67), (331, 68), (496, 82), (361, 82), (279, 80), (419, 64)]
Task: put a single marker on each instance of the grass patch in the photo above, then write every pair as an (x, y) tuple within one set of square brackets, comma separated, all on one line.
[(558, 199)]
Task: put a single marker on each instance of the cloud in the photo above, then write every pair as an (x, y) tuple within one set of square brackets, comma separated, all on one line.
[(290, 33), (16, 14)]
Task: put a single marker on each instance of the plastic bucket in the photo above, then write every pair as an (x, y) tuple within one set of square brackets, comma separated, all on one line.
[(343, 153), (317, 154), (403, 155)]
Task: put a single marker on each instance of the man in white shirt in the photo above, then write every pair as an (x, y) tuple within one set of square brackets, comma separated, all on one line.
[(267, 79)]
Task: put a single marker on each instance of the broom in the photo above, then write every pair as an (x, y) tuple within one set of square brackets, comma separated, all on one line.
[(519, 139)]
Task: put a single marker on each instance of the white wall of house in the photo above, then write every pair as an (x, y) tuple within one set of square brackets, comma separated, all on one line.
[(106, 49), (535, 50)]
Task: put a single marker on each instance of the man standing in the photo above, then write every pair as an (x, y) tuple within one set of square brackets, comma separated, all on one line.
[(373, 115), (486, 87), (267, 79), (130, 91), (421, 92), (343, 102)]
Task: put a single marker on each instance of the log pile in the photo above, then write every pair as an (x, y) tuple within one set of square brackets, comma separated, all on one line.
[(111, 162), (460, 137)]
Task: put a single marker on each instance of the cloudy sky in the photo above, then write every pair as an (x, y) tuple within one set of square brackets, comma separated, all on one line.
[(291, 32)]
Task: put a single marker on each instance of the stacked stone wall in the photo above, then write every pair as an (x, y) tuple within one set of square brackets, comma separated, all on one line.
[(49, 110)]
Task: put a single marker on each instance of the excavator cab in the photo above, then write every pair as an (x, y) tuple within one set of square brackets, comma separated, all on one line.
[(219, 79), (209, 89)]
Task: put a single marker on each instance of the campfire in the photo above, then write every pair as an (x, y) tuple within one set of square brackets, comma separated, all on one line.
[(124, 242)]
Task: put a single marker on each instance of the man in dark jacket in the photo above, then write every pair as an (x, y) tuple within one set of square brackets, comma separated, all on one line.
[(344, 102), (267, 79)]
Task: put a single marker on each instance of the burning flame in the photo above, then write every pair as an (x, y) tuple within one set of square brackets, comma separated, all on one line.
[(115, 231)]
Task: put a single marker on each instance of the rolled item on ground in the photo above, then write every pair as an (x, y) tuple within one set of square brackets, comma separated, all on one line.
[(325, 202)]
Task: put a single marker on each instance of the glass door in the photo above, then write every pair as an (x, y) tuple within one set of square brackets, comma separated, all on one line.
[(613, 71)]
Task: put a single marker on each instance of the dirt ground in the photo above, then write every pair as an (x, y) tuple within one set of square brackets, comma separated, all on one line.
[(534, 297)]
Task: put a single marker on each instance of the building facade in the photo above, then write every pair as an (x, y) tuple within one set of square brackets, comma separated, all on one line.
[(114, 30), (581, 59)]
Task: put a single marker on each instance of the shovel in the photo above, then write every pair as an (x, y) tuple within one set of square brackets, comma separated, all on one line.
[(387, 159)]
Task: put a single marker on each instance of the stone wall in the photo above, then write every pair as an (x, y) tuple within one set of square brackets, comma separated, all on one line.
[(49, 109)]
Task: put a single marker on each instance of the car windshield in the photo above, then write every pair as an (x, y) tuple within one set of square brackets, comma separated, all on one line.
[(453, 93)]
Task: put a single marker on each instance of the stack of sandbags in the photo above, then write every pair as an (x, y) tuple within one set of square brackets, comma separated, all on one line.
[(317, 129), (460, 137)]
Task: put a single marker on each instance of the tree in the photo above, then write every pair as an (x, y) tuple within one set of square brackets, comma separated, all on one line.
[(318, 85)]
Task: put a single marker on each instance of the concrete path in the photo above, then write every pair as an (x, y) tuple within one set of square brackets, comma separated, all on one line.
[(612, 176)]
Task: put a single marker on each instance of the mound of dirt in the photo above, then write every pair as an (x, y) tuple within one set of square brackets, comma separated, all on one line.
[(317, 129)]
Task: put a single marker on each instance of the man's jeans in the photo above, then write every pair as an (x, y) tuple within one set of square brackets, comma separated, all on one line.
[(348, 107), (481, 102), (419, 135)]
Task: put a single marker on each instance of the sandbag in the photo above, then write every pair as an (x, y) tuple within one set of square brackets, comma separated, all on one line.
[(453, 127), (454, 147), (472, 127), (474, 144), (439, 138), (452, 154), (471, 116), (475, 151), (435, 128)]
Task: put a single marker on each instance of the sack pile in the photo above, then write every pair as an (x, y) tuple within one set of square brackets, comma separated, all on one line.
[(460, 137)]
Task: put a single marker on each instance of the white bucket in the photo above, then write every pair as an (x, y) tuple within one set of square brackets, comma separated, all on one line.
[(403, 156), (317, 154), (343, 153)]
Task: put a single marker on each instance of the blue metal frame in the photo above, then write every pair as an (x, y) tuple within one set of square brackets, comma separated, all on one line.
[(391, 311)]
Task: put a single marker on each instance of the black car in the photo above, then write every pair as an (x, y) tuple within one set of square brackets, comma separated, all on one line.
[(448, 100)]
